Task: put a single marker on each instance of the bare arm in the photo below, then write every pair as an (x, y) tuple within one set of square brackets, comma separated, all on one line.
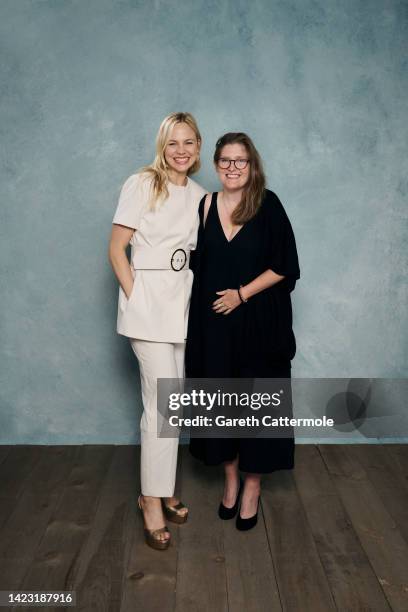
[(206, 207), (230, 299), (119, 240), (261, 282)]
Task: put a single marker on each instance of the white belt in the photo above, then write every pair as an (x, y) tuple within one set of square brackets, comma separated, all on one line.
[(156, 258)]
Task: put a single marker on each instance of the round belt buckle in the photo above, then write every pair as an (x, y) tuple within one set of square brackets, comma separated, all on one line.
[(178, 260)]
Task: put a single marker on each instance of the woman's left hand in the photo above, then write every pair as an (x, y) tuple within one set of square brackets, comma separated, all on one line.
[(228, 301)]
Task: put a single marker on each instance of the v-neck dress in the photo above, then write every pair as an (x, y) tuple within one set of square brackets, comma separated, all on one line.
[(256, 339)]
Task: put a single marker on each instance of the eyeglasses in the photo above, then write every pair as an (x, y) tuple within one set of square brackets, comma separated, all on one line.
[(240, 164)]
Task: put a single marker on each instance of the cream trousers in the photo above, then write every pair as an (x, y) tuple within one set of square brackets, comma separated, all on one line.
[(158, 455)]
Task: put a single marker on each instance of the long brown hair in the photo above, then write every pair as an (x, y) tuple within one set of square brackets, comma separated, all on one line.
[(254, 190), (158, 169)]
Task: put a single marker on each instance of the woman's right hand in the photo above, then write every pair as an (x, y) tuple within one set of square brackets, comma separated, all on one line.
[(120, 238), (130, 293)]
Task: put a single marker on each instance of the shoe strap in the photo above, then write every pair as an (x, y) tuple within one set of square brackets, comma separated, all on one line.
[(178, 506), (154, 532)]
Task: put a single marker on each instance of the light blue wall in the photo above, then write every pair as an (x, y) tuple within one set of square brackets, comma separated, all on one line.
[(320, 85)]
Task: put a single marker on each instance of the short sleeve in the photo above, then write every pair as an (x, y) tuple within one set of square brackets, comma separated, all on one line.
[(132, 202), (282, 256)]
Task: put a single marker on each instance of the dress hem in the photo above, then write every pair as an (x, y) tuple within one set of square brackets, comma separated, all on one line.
[(243, 467)]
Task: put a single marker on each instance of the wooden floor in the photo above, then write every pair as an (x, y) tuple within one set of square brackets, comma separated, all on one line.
[(332, 534)]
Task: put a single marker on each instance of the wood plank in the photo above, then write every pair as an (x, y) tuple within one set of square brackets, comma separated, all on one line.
[(251, 580), (22, 532), (201, 573), (150, 575), (383, 543), (352, 580), (15, 471), (399, 453), (70, 522), (4, 451), (391, 486), (98, 571), (302, 582)]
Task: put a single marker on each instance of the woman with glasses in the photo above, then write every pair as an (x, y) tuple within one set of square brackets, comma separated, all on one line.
[(240, 323), (157, 214)]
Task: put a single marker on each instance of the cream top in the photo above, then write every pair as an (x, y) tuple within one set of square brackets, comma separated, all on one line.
[(157, 308)]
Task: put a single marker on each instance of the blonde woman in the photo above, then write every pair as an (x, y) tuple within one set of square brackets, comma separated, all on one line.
[(157, 214)]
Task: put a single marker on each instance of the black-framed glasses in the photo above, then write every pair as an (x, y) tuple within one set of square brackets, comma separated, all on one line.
[(240, 164)]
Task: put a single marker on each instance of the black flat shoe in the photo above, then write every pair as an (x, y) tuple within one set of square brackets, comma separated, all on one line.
[(228, 513), (245, 524)]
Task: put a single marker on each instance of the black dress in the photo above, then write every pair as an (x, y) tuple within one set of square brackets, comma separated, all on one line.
[(255, 339)]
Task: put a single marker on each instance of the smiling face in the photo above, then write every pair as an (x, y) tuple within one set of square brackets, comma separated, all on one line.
[(231, 177), (182, 149)]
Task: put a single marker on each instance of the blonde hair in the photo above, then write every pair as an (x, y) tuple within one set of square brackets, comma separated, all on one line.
[(158, 169)]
